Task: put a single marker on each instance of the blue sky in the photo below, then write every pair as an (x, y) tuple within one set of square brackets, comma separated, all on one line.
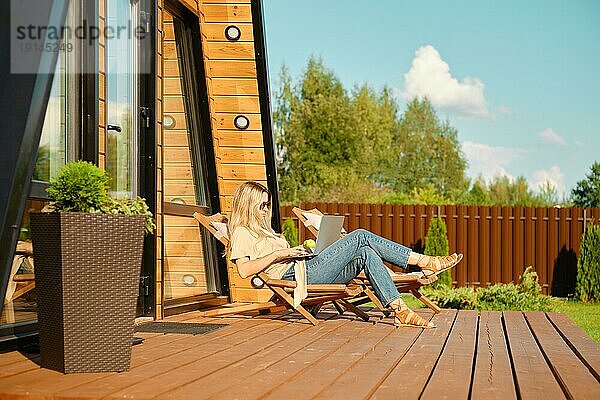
[(519, 80)]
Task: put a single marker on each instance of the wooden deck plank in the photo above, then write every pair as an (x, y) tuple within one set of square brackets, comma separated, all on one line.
[(274, 332), (419, 360), (280, 372), (243, 370), (18, 367), (312, 380), (373, 368), (12, 357), (493, 378), (515, 355), (170, 357), (451, 378), (572, 374), (581, 343), (534, 378)]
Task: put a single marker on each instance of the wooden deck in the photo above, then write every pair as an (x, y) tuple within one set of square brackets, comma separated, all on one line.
[(496, 355)]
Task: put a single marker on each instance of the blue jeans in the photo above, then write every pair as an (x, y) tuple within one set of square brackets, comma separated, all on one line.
[(359, 250)]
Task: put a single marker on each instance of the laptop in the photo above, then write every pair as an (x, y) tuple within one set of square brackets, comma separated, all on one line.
[(329, 233)]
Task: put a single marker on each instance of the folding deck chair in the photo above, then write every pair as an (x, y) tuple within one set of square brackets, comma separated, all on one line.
[(405, 282), (282, 289), (20, 284)]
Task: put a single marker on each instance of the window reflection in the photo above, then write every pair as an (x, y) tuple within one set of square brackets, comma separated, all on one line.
[(61, 120), (121, 101), (20, 302)]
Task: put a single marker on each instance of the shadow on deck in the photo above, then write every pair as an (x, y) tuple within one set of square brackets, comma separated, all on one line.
[(494, 355)]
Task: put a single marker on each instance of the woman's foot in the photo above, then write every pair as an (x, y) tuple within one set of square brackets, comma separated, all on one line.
[(404, 316), (435, 265)]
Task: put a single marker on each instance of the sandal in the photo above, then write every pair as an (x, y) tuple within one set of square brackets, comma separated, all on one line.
[(408, 317), (438, 264)]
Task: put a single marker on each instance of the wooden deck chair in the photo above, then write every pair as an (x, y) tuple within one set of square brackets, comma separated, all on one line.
[(19, 284), (405, 282), (282, 289)]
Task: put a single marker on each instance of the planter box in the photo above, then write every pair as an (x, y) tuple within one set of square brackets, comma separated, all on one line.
[(87, 269)]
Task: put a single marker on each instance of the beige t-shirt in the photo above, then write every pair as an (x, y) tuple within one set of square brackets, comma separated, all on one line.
[(248, 244)]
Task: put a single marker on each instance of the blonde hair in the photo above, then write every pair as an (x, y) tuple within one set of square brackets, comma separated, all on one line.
[(245, 210)]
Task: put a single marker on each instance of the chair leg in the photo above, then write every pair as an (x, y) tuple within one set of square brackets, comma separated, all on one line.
[(288, 299), (425, 301), (376, 301), (360, 313), (315, 309), (338, 307)]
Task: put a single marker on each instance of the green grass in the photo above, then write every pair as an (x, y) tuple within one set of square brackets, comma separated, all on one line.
[(585, 315)]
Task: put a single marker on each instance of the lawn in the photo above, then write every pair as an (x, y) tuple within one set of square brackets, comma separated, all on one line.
[(585, 315)]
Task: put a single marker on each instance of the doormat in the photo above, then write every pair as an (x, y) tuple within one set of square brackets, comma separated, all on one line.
[(178, 327)]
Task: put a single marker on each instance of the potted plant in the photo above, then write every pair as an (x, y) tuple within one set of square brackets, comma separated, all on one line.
[(87, 249)]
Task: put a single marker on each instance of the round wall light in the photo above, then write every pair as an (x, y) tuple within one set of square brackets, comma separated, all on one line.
[(257, 283), (168, 121), (188, 279), (233, 33), (241, 122)]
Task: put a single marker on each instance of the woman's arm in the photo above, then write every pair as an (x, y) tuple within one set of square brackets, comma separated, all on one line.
[(247, 267)]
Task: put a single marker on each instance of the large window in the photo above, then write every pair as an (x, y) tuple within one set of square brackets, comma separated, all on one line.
[(59, 144), (61, 124), (122, 102)]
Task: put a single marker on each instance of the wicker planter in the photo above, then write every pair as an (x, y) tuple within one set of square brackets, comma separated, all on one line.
[(87, 269)]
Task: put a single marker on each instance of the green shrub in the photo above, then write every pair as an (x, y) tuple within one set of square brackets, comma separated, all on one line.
[(80, 186), (524, 296), (83, 187), (460, 298), (290, 232), (587, 287), (436, 244)]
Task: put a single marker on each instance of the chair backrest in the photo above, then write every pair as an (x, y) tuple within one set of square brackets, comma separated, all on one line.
[(310, 218), (216, 224)]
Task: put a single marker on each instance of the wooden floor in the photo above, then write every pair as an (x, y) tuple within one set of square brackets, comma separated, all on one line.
[(496, 355)]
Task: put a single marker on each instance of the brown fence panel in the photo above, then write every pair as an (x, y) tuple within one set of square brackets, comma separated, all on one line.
[(498, 242)]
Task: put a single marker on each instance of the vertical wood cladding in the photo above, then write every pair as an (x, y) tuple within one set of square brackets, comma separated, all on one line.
[(231, 80), (233, 90)]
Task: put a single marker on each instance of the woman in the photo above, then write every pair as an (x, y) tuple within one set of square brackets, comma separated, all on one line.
[(255, 247)]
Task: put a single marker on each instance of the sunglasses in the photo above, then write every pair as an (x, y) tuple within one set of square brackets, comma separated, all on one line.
[(265, 204)]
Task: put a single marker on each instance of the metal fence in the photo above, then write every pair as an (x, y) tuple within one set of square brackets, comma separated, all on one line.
[(498, 242)]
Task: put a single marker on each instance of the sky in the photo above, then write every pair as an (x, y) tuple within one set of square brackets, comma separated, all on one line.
[(519, 80)]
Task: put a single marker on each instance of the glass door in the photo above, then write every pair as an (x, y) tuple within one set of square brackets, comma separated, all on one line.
[(122, 87)]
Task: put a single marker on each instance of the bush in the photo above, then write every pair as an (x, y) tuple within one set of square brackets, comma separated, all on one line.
[(83, 187), (436, 244), (80, 187), (290, 232), (524, 296), (587, 287)]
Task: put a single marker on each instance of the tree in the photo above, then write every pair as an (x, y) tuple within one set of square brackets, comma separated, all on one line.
[(587, 191), (428, 152), (587, 287), (331, 146), (436, 244)]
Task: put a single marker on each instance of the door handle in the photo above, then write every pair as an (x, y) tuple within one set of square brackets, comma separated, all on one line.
[(116, 128)]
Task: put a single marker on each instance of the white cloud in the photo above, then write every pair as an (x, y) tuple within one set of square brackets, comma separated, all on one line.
[(553, 175), (548, 136), (489, 161), (429, 76), (579, 143)]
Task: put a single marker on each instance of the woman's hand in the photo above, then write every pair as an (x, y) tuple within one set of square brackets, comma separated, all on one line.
[(292, 252)]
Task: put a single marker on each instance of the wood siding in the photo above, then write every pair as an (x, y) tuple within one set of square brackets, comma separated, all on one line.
[(231, 82)]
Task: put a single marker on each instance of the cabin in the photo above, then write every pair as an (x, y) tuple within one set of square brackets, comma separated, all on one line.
[(176, 109)]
